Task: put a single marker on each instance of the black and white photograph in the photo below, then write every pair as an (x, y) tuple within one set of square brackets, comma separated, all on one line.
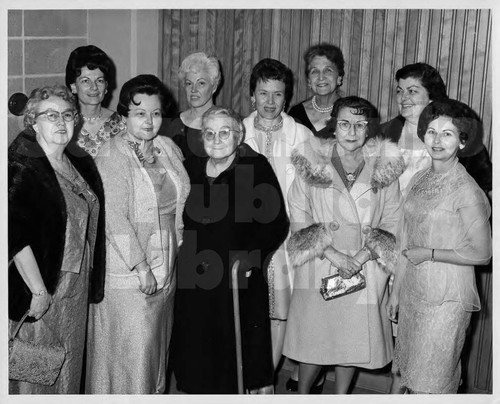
[(213, 200)]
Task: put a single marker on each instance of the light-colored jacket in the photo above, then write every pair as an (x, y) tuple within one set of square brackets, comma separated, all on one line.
[(292, 134), (353, 329), (133, 231)]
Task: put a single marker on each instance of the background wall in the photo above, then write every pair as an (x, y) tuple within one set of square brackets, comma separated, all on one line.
[(375, 44), (40, 42)]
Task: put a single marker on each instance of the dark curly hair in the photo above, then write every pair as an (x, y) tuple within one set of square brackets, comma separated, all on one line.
[(272, 69), (331, 52), (429, 77), (358, 106), (40, 94), (462, 116), (92, 58), (143, 84)]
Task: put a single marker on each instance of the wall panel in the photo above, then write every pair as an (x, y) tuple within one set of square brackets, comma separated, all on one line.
[(375, 44)]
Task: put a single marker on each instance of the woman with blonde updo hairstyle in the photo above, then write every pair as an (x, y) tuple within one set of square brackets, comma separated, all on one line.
[(199, 75)]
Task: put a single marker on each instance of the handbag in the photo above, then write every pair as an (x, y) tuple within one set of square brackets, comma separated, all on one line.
[(334, 286), (34, 363)]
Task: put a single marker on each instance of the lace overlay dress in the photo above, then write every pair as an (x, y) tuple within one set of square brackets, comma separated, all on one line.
[(436, 298)]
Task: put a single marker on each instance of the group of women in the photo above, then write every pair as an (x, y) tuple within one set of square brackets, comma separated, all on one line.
[(122, 240)]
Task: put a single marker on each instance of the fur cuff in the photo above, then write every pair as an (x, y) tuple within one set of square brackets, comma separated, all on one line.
[(387, 160), (310, 242), (382, 245)]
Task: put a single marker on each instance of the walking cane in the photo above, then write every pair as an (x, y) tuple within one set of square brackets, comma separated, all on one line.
[(237, 325)]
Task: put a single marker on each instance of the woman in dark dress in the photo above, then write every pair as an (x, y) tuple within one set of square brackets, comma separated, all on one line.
[(235, 211), (199, 75), (325, 74)]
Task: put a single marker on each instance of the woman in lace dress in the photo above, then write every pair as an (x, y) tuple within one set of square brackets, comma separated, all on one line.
[(145, 187), (90, 74), (273, 133), (446, 232)]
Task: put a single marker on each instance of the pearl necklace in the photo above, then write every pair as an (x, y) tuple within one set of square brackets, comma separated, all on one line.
[(92, 118), (320, 109)]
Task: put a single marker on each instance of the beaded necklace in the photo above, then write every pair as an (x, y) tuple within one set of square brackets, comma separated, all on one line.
[(320, 109), (268, 130)]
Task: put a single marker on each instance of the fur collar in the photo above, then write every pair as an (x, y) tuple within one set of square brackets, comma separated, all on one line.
[(312, 161)]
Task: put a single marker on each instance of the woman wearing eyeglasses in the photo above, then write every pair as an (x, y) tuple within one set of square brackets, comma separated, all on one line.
[(235, 211), (344, 212), (56, 239)]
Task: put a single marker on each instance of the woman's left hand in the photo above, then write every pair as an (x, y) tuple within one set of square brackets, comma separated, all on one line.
[(417, 255)]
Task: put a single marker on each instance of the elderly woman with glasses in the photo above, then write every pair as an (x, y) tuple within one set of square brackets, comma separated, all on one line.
[(344, 213), (56, 239), (235, 211)]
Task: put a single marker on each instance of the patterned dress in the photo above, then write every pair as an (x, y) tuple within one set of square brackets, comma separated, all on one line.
[(437, 298), (65, 321), (91, 143)]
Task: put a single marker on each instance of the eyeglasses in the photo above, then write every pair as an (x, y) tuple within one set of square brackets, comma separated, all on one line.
[(359, 126), (53, 116), (209, 135)]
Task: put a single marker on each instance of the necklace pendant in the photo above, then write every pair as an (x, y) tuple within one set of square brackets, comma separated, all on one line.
[(350, 176)]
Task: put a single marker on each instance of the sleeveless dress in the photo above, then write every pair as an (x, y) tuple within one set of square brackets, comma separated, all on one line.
[(66, 320)]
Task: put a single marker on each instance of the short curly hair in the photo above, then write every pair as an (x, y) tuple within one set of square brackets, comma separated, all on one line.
[(331, 52), (358, 106), (216, 112), (429, 77), (92, 58), (199, 61), (462, 116), (41, 94), (272, 69), (143, 84)]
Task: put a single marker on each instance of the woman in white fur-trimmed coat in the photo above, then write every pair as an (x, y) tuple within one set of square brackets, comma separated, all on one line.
[(345, 208)]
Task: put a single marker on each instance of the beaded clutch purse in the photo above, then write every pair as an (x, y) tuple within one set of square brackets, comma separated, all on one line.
[(335, 286)]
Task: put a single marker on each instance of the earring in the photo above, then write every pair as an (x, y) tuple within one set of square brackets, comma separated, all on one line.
[(253, 104), (461, 146)]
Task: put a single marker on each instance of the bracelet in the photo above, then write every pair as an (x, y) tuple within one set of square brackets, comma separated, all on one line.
[(432, 256), (41, 293)]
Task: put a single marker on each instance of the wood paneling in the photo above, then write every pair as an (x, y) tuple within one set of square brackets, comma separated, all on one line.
[(375, 44)]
